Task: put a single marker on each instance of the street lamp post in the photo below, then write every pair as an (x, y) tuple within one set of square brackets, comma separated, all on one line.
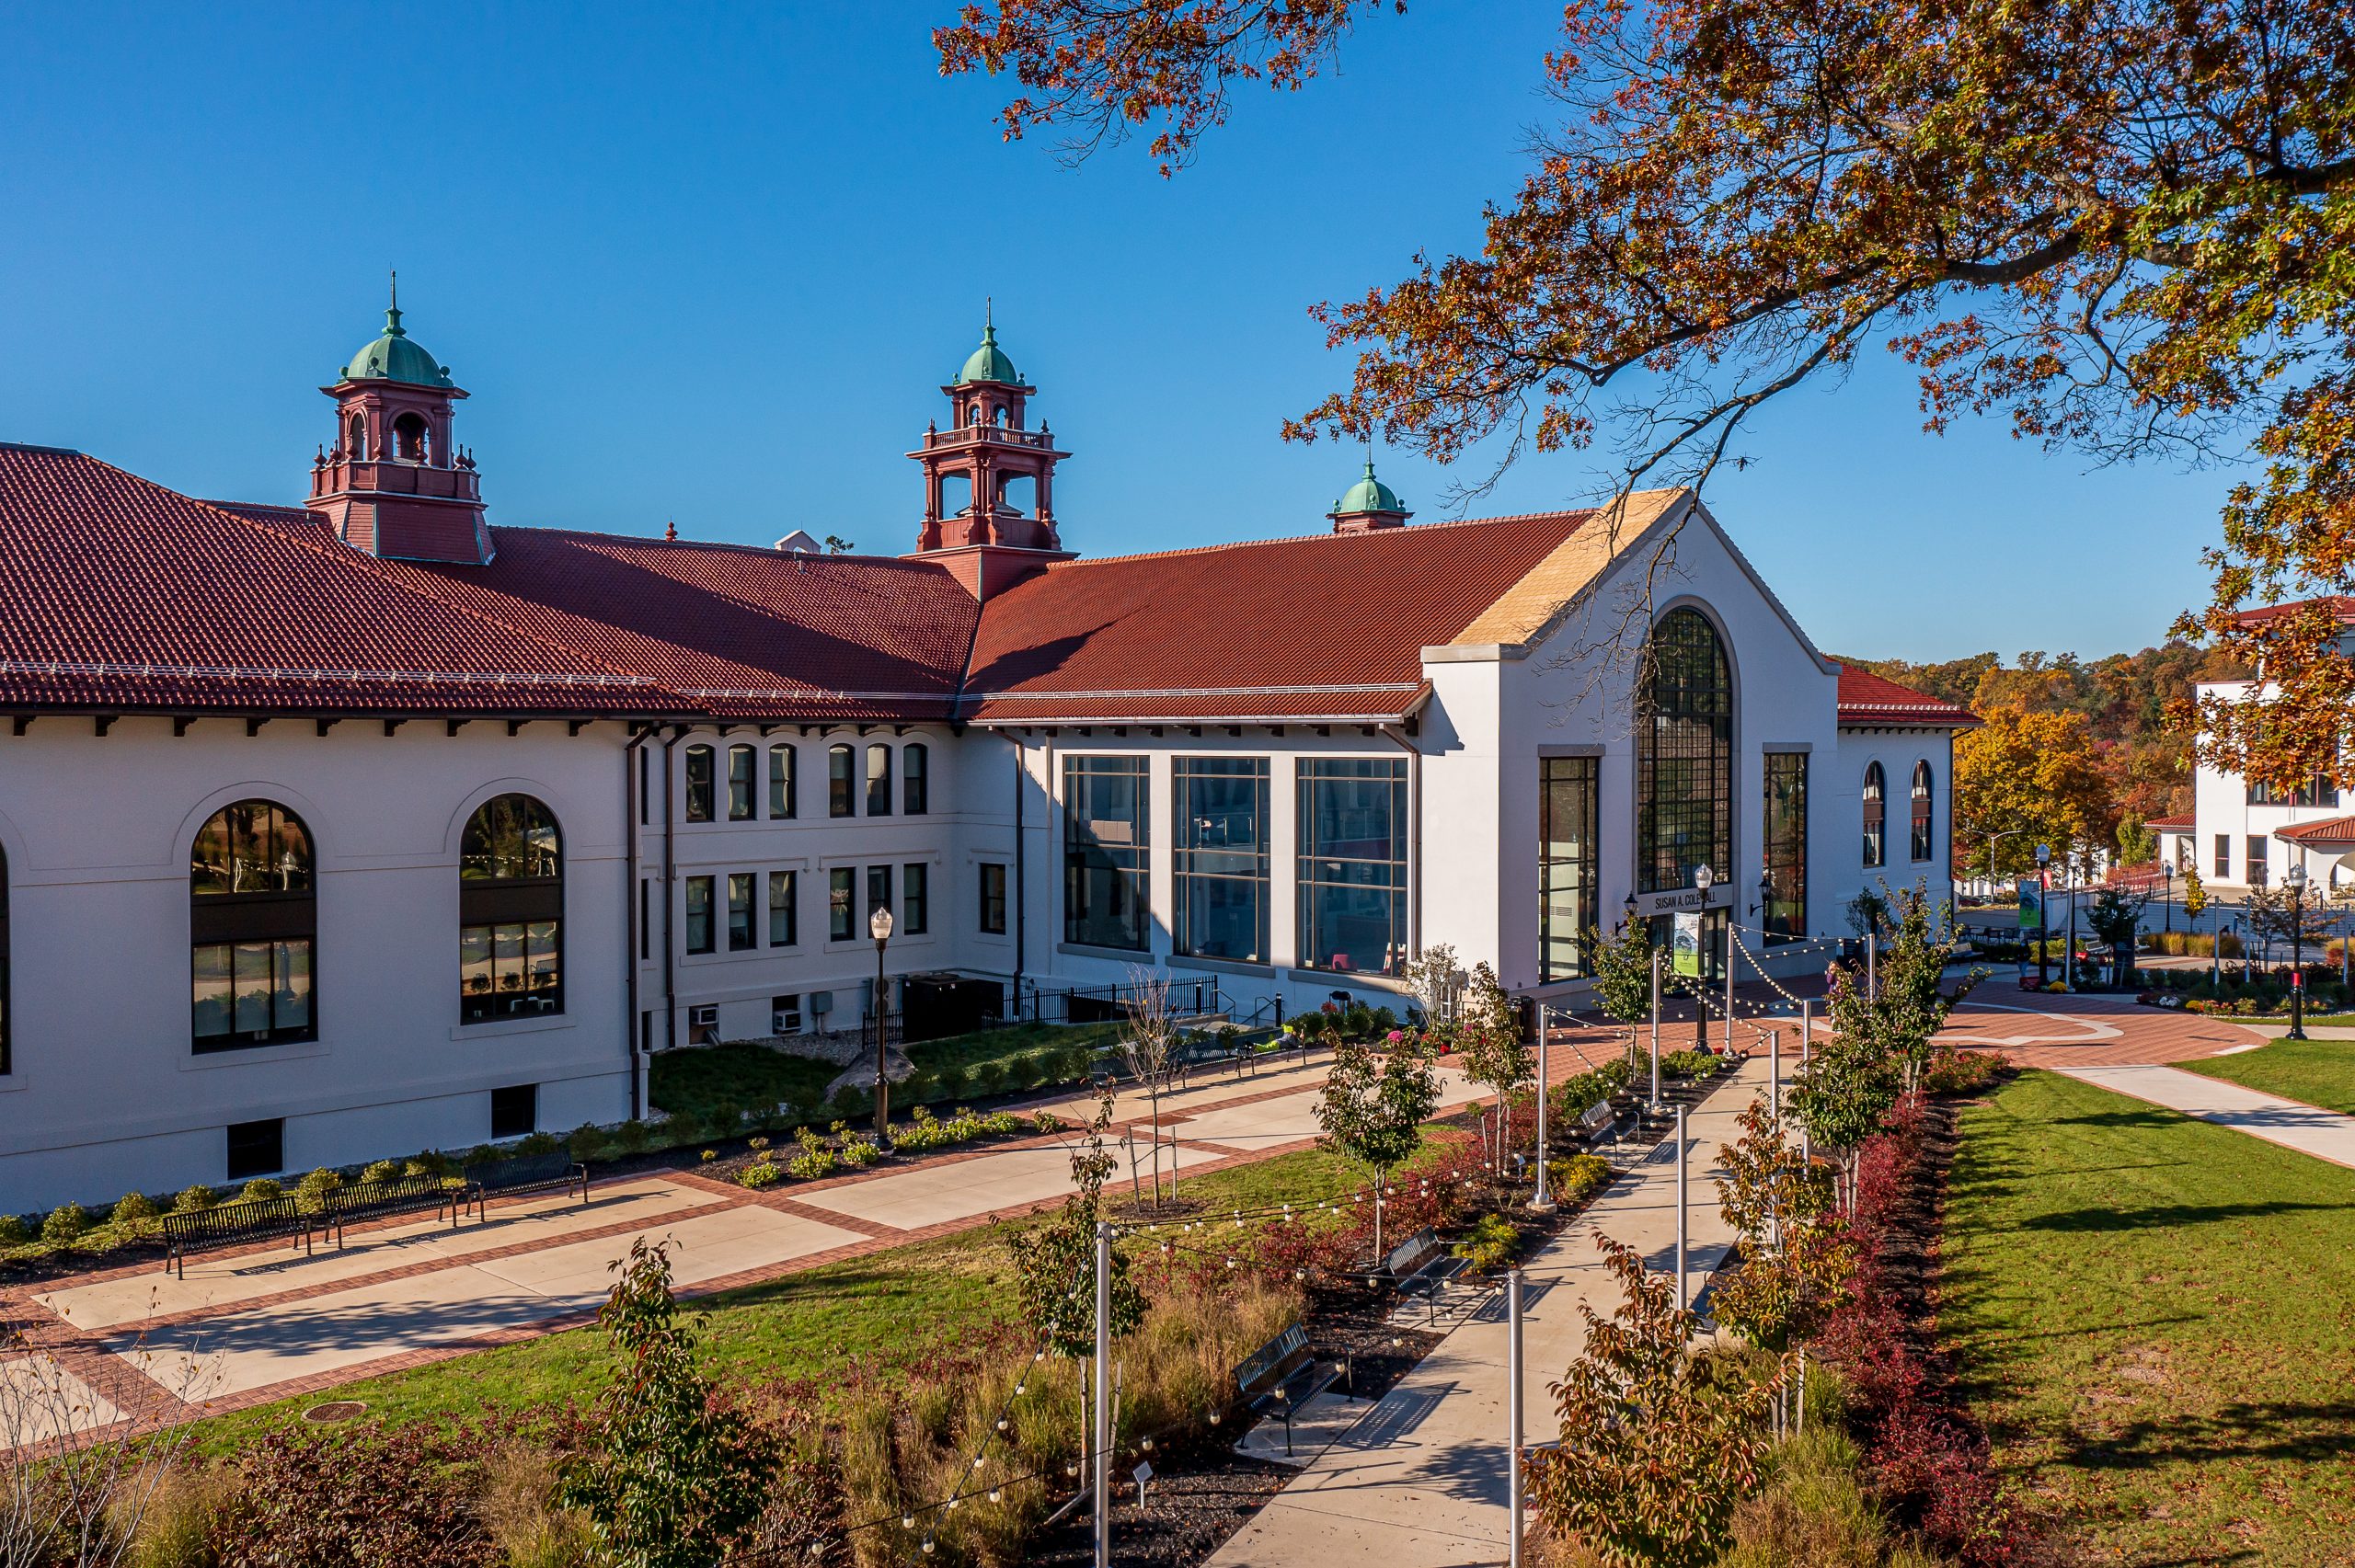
[(2297, 874), (878, 925), (1703, 879), (2166, 871), (2043, 901)]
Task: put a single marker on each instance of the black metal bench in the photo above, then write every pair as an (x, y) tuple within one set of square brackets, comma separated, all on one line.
[(1420, 1267), (230, 1224), (518, 1174), (380, 1200), (1599, 1119), (1285, 1374)]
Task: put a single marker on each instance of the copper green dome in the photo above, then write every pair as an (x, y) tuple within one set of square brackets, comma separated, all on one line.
[(988, 362), (396, 355), (1369, 494)]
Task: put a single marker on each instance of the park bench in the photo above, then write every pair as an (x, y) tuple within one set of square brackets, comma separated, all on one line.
[(519, 1174), (1599, 1119), (229, 1225), (1285, 1374), (364, 1201), (1420, 1266)]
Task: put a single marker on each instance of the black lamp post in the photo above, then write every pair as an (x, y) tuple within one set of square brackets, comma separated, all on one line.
[(2043, 908), (878, 925), (2297, 874), (2166, 871)]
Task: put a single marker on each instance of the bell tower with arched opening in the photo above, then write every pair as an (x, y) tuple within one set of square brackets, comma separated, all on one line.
[(394, 484), (977, 472)]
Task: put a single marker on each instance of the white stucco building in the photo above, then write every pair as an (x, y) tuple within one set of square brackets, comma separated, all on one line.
[(344, 829)]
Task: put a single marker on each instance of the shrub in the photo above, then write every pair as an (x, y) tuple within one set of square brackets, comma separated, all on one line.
[(173, 1529), (133, 1210), (1813, 1512), (586, 1142), (398, 1495), (1577, 1178), (259, 1188), (814, 1160), (1491, 1245), (950, 1082), (314, 1190), (538, 1144), (13, 1231), (1952, 1071), (632, 1138), (526, 1525), (1690, 1064), (1001, 1123), (1047, 1122), (429, 1163), (65, 1223), (761, 1173), (989, 1077), (858, 1152), (195, 1199)]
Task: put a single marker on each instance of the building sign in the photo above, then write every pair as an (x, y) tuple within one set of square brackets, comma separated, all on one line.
[(1684, 945), (1674, 898), (2031, 904)]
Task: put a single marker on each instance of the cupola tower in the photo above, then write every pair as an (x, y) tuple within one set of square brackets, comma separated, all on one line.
[(1367, 505), (980, 473), (394, 482)]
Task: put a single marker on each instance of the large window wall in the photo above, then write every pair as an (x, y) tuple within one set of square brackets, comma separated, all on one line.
[(1786, 909), (1568, 833), (253, 922), (1107, 841), (1220, 858), (1352, 874), (511, 911), (1683, 754)]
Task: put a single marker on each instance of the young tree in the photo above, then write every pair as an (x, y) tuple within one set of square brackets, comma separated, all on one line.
[(2137, 845), (1796, 1256), (1151, 1034), (1623, 971), (1431, 977), (74, 1482), (2122, 225), (668, 1480), (2195, 891), (1372, 1109), (1488, 1041), (1658, 1445), (2033, 778), (2117, 917)]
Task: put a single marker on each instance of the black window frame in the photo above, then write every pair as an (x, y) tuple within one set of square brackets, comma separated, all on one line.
[(785, 782), (1212, 869), (915, 779), (514, 1105), (510, 900), (2256, 859), (743, 781), (1783, 851), (743, 933), (1324, 865), (263, 1145), (1921, 822), (993, 898), (916, 899), (2223, 857), (1108, 881), (1569, 864), (842, 903), (700, 763), (878, 892), (708, 941), (878, 778), (272, 922), (789, 882), (1684, 730), (1876, 815), (842, 799)]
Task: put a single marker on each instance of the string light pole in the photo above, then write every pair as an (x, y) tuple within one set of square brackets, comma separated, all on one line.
[(1543, 1203), (1705, 876), (1103, 1469), (1680, 1209), (1655, 1102), (1512, 1414), (878, 925)]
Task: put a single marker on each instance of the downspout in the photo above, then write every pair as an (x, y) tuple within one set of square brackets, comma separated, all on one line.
[(1021, 880), (670, 877), (631, 806)]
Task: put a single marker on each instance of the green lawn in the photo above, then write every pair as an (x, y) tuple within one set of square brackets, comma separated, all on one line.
[(698, 1081), (2320, 1073), (2152, 1316)]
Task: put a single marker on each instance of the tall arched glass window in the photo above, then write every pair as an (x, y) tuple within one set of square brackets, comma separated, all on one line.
[(511, 911), (840, 802), (878, 781), (782, 781), (1923, 834), (253, 925), (1683, 754), (1876, 815), (741, 762), (699, 783), (915, 779)]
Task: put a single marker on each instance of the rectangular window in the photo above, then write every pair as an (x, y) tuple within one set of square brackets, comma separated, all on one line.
[(841, 888), (839, 800), (785, 930), (644, 795), (878, 781), (915, 903), (915, 779), (1786, 911), (782, 784), (1569, 793), (515, 1111), (699, 783), (740, 784), (1220, 858), (2223, 857), (509, 970), (785, 1014), (879, 889), (1353, 864), (248, 993), (256, 1149), (699, 934), (1106, 844), (645, 917), (2256, 867), (993, 898), (741, 938)]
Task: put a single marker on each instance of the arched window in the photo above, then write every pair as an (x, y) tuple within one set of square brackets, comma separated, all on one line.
[(915, 779), (699, 797), (1876, 815), (1922, 832), (357, 444), (782, 781), (253, 922), (840, 802), (408, 437), (511, 911), (1683, 754), (878, 781), (741, 763)]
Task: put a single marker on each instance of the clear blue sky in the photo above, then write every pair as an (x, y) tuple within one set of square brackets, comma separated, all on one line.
[(712, 265)]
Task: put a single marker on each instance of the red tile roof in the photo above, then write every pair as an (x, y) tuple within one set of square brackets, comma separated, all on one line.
[(2330, 831), (2179, 823), (1867, 702), (2340, 606), (1329, 627)]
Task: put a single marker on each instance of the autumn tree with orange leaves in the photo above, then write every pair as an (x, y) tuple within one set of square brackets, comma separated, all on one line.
[(2123, 224)]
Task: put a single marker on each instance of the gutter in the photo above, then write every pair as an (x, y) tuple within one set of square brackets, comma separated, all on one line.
[(1021, 877), (631, 935)]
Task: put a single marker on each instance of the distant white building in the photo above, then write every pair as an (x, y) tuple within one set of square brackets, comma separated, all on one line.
[(2240, 834), (346, 828)]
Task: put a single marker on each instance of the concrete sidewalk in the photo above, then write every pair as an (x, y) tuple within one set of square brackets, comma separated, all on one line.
[(1420, 1481), (2325, 1135)]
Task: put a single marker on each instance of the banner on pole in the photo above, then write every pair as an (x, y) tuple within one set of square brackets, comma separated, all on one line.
[(1685, 947), (2031, 904)]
